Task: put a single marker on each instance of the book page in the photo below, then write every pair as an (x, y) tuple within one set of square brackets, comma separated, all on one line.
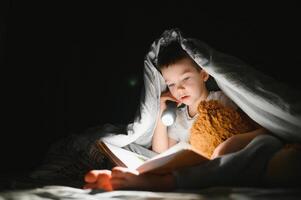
[(178, 156), (130, 159)]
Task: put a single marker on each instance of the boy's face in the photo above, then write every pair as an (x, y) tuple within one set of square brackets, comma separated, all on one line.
[(185, 82)]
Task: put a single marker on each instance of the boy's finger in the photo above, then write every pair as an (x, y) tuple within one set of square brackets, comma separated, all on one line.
[(104, 184), (171, 98), (93, 175), (167, 94)]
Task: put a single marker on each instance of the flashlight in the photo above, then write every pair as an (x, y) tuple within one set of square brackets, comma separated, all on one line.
[(168, 116)]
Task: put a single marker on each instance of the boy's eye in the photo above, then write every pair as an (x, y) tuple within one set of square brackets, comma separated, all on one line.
[(186, 78), (170, 85)]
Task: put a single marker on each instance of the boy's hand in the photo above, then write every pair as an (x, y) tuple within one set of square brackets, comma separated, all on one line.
[(232, 144), (165, 96), (228, 146), (236, 142)]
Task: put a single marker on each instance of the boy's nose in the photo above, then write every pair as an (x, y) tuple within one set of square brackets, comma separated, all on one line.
[(180, 87)]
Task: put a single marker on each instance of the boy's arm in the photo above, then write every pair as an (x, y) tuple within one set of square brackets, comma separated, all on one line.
[(237, 142), (171, 142), (160, 138), (161, 141)]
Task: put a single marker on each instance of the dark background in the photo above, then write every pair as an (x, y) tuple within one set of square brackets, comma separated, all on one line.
[(68, 66)]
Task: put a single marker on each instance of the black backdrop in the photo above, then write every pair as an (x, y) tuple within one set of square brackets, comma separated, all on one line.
[(69, 66)]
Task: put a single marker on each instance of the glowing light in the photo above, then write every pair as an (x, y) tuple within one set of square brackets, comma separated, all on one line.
[(167, 119), (168, 116)]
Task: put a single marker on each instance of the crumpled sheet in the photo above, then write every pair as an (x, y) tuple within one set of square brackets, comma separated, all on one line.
[(54, 192)]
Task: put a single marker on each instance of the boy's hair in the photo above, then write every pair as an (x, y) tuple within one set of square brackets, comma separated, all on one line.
[(171, 54)]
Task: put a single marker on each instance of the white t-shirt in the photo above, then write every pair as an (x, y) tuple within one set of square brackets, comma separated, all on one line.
[(179, 130)]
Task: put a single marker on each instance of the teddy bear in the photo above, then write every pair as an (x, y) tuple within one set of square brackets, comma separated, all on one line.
[(214, 124)]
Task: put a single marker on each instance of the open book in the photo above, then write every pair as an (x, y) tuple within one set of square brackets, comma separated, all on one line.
[(178, 156)]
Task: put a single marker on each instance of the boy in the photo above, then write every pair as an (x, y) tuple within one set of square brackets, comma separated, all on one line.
[(186, 85)]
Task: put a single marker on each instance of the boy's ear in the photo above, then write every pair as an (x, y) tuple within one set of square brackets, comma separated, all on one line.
[(204, 75)]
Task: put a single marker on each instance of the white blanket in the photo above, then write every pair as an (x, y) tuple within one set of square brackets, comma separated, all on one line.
[(271, 104)]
